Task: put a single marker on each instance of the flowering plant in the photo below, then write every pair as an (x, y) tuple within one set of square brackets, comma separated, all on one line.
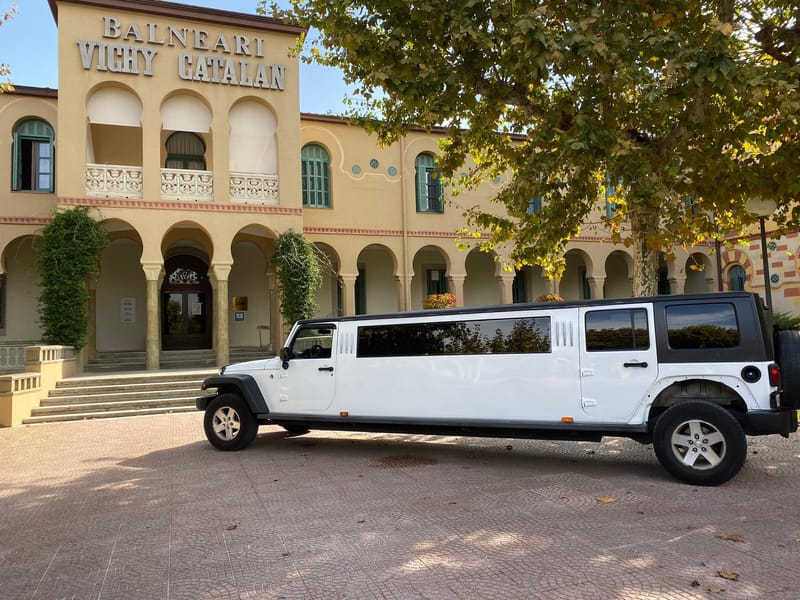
[(439, 301), (550, 298)]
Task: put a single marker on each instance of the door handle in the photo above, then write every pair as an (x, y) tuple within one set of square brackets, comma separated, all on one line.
[(326, 369), (635, 364)]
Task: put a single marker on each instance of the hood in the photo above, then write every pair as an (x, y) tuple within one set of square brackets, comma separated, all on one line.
[(254, 365)]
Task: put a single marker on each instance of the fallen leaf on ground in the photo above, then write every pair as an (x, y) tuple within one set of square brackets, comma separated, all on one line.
[(606, 499), (231, 527), (695, 583), (731, 537), (728, 575), (716, 590)]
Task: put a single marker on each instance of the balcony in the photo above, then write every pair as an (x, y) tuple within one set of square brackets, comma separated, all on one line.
[(252, 188), (186, 185), (119, 181), (113, 181)]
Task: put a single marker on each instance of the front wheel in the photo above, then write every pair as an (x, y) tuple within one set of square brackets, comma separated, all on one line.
[(700, 443), (229, 424)]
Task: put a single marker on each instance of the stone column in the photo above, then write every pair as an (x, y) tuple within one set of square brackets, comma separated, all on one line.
[(400, 292), (677, 285), (455, 283), (276, 333), (152, 273), (91, 319), (596, 285), (505, 284), (221, 271), (151, 161), (348, 294)]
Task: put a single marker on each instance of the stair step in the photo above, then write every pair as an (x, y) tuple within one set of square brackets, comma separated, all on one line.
[(143, 396), (105, 414), (114, 405), (143, 386)]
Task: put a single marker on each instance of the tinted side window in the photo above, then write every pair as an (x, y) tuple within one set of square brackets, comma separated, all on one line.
[(691, 326), (491, 336), (623, 329)]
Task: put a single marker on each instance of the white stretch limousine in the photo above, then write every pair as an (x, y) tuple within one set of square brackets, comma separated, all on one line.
[(691, 374)]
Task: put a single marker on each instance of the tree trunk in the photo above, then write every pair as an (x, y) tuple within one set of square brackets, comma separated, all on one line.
[(644, 228)]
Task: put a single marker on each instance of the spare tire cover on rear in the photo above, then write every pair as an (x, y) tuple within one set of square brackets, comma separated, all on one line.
[(787, 350)]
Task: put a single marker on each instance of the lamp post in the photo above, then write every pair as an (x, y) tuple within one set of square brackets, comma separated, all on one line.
[(763, 209)]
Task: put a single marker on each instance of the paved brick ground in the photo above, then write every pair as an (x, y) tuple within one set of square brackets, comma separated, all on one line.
[(146, 508)]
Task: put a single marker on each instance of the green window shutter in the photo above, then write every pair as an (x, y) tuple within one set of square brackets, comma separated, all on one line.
[(428, 187), (33, 153), (316, 176)]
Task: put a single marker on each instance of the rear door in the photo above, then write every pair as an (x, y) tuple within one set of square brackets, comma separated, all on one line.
[(619, 362), (309, 383)]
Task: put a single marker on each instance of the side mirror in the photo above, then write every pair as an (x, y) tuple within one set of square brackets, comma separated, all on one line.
[(285, 354)]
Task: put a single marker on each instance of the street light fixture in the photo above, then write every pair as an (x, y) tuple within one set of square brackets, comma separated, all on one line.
[(763, 209)]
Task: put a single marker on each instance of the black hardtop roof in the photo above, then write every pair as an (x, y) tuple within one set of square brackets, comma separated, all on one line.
[(472, 310)]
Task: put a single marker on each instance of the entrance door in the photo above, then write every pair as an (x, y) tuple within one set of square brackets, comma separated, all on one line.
[(186, 305)]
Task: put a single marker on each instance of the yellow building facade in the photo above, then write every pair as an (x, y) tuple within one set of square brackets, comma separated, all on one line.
[(180, 127)]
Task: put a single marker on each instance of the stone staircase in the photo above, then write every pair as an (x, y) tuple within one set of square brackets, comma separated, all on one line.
[(130, 390), (120, 395)]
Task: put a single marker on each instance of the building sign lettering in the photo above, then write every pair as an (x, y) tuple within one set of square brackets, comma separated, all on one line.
[(212, 58)]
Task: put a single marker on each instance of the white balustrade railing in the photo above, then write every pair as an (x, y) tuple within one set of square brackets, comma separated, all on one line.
[(12, 358), (252, 188), (184, 184), (113, 181)]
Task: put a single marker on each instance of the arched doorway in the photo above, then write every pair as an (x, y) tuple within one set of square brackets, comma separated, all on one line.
[(186, 304)]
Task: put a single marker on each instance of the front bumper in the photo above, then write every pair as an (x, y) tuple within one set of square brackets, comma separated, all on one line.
[(203, 402)]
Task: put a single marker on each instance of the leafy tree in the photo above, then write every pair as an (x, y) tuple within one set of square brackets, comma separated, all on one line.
[(300, 275), (675, 111), (69, 249), (5, 70)]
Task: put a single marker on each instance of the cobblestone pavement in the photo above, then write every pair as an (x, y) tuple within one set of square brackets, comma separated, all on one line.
[(146, 508)]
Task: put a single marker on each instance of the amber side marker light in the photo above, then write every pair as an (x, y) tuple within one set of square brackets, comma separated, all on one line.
[(344, 413), (567, 420)]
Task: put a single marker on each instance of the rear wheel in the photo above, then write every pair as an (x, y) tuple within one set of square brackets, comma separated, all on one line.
[(229, 424), (700, 443)]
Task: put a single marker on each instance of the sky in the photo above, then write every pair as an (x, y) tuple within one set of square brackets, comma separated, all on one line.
[(28, 44)]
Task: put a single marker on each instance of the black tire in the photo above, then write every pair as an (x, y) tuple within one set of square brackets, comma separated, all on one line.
[(678, 442), (229, 424), (787, 352)]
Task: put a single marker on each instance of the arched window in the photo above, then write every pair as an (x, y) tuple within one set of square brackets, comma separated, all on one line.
[(736, 278), (186, 150), (429, 188), (33, 157), (316, 176)]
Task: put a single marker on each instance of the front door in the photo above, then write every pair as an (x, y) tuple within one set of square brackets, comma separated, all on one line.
[(186, 305), (309, 383)]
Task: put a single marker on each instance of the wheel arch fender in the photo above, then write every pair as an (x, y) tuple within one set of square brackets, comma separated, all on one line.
[(239, 383), (717, 390)]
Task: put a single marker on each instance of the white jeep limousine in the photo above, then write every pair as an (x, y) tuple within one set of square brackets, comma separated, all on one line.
[(690, 374)]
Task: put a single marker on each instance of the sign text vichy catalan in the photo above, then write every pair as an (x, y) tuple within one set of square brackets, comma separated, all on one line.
[(212, 58)]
